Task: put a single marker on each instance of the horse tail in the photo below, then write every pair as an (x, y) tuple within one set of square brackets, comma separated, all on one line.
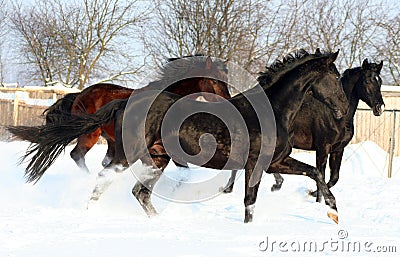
[(60, 109), (25, 133), (57, 112), (52, 139)]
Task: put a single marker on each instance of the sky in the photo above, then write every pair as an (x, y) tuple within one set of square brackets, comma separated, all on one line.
[(13, 70)]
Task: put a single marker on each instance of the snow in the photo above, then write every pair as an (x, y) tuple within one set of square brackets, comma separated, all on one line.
[(56, 86), (51, 218), (24, 95)]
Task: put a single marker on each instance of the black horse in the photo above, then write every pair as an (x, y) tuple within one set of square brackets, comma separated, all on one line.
[(285, 83), (286, 87), (316, 130)]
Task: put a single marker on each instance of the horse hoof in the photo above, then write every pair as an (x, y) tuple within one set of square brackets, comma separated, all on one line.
[(91, 202), (313, 193), (248, 219), (152, 214), (275, 188), (333, 215), (226, 190)]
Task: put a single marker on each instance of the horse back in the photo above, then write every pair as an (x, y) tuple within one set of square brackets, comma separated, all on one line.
[(96, 96)]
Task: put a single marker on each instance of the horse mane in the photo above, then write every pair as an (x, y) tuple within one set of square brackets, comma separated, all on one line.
[(290, 61), (349, 72), (178, 68)]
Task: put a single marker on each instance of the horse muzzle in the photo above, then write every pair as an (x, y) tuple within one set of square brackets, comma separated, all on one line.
[(378, 109)]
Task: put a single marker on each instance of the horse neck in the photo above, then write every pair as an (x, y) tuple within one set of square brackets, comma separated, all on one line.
[(287, 96), (349, 83), (185, 87)]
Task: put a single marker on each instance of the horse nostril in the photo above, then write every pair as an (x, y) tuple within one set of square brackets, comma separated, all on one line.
[(381, 109)]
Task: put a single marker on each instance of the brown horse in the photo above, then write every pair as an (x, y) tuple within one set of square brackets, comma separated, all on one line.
[(96, 96)]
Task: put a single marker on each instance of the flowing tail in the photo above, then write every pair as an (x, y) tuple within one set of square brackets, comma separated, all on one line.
[(51, 139), (25, 133), (61, 109), (57, 113)]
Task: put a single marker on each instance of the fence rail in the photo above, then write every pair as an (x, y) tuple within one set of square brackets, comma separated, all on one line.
[(24, 106), (383, 129)]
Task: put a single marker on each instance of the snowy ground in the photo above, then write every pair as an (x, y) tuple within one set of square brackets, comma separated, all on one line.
[(51, 218)]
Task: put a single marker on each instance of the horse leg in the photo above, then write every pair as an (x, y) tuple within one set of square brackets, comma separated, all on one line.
[(293, 166), (154, 167), (252, 182), (278, 182), (229, 186), (105, 178), (321, 159), (84, 144), (335, 160), (143, 189), (110, 152)]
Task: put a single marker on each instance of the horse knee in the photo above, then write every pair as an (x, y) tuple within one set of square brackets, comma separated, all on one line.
[(141, 193), (249, 200), (333, 179), (316, 175), (75, 155), (136, 191), (107, 160)]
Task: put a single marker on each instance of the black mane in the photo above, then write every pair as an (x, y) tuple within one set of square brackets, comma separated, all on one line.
[(175, 69), (279, 67)]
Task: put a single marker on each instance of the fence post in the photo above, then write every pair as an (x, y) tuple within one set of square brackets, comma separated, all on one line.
[(15, 110), (392, 145), (54, 98)]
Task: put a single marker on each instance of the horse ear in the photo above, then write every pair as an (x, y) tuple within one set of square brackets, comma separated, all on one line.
[(334, 56), (380, 65), (208, 63), (318, 51), (365, 64)]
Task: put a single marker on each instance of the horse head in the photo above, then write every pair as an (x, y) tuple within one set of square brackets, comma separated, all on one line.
[(213, 80), (369, 86), (196, 76), (326, 85)]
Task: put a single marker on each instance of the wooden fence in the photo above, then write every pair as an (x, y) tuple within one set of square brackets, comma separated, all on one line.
[(382, 130), (24, 106)]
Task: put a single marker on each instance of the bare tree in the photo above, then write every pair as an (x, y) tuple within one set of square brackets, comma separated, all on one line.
[(252, 33), (347, 25), (389, 49), (239, 31), (67, 41), (3, 16)]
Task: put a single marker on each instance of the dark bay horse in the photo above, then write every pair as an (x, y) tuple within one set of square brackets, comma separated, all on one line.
[(285, 83), (316, 130), (96, 96)]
